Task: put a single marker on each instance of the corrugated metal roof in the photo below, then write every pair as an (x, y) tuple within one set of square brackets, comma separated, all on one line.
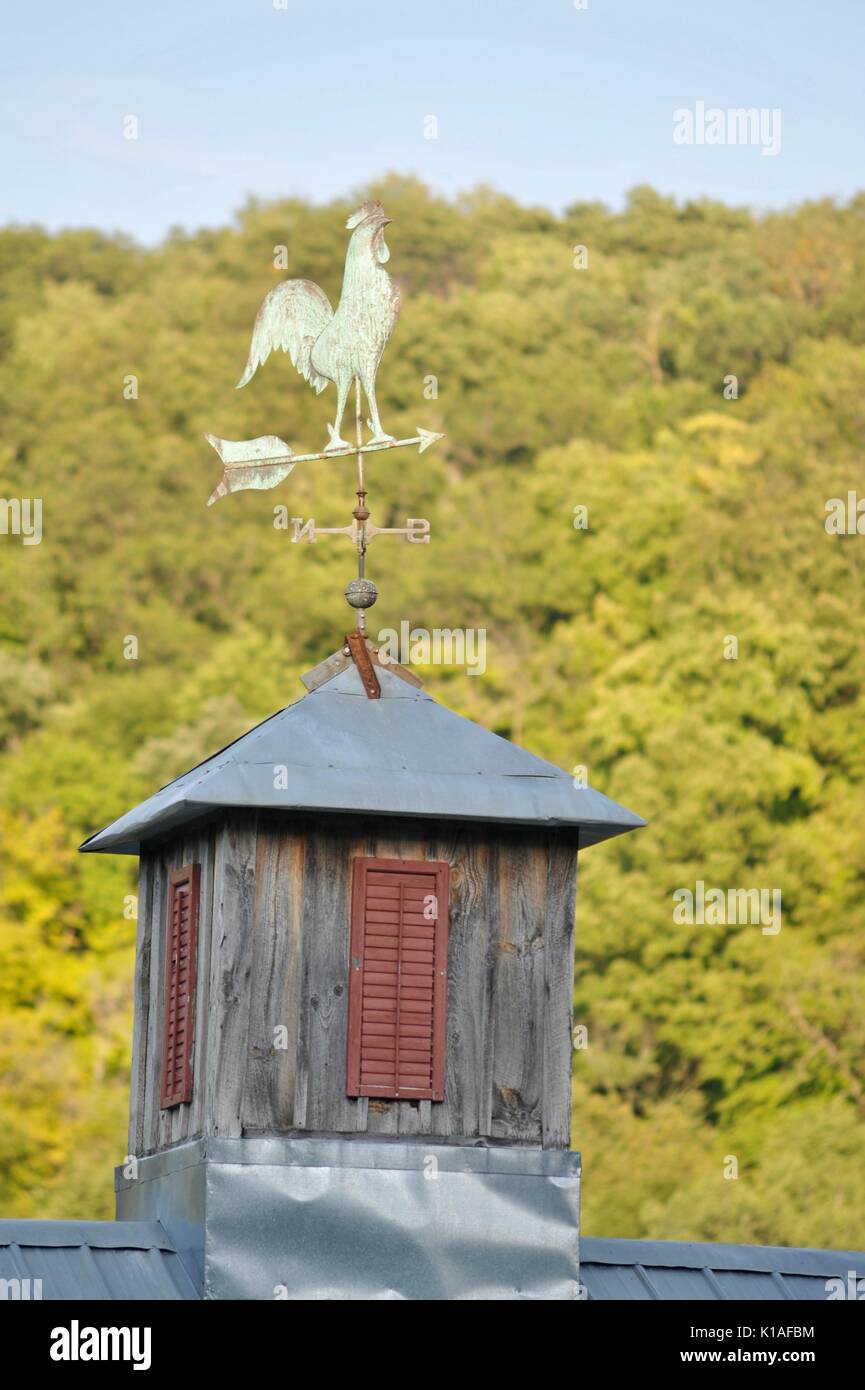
[(128, 1260), (402, 755), (666, 1270), (93, 1260)]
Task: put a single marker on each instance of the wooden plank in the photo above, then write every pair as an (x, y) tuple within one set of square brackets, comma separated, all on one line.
[(401, 841), (518, 1001), (561, 890), (170, 1121), (204, 850), (383, 1116), (230, 973), (468, 1053), (408, 1117), (138, 1079), (491, 960), (186, 1120), (268, 1093), (364, 1015), (321, 1100), (153, 1065)]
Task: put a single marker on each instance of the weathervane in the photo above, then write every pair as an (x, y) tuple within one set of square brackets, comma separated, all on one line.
[(344, 347)]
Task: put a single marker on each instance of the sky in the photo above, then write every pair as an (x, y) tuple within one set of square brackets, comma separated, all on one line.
[(552, 101)]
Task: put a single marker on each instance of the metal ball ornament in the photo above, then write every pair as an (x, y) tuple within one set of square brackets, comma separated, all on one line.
[(361, 593)]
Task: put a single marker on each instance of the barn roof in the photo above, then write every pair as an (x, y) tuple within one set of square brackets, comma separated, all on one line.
[(402, 755), (93, 1260), (131, 1260), (664, 1270)]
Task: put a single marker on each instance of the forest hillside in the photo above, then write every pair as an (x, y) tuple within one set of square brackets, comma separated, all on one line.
[(647, 413)]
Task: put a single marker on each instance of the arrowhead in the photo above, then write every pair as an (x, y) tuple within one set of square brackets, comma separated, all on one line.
[(426, 437)]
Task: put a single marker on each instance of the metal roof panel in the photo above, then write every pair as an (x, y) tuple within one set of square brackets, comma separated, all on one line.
[(667, 1270), (403, 755), (94, 1260)]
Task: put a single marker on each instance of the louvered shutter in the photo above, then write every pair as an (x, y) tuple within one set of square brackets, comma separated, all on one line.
[(179, 1001), (398, 979)]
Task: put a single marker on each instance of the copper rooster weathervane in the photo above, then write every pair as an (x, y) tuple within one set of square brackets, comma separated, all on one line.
[(344, 347), (340, 347)]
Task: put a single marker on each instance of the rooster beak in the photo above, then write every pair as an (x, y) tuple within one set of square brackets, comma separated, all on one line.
[(386, 221)]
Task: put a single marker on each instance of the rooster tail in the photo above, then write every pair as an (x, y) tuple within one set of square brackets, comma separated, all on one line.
[(258, 351), (291, 317), (249, 372)]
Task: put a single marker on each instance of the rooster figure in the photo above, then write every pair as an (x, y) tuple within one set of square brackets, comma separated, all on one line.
[(339, 347)]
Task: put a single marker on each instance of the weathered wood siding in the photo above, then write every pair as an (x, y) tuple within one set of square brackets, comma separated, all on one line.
[(272, 1005), (149, 1127)]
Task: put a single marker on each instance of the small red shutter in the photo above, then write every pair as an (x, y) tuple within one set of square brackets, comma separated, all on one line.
[(179, 1001), (398, 979)]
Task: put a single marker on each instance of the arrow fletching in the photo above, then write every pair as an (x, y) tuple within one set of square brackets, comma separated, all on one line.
[(250, 463)]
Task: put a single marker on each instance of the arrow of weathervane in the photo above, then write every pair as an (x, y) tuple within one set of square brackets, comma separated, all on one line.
[(264, 462)]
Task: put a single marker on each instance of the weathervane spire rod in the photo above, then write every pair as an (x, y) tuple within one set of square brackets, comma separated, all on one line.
[(360, 513)]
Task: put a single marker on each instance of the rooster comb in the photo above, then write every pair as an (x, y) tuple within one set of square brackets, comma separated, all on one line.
[(368, 209)]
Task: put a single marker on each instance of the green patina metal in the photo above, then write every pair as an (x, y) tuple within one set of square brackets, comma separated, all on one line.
[(343, 347)]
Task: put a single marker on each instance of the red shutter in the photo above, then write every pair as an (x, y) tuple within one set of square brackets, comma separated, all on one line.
[(398, 979), (179, 1001)]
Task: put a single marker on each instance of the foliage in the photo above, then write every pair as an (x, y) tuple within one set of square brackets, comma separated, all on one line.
[(557, 387)]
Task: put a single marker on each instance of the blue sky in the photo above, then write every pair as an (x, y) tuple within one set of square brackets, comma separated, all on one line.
[(548, 102)]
